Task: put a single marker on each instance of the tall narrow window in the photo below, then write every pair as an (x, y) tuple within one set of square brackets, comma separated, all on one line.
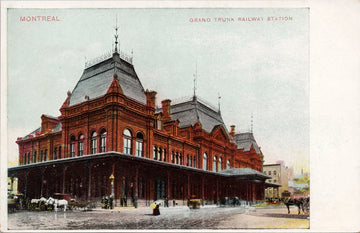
[(93, 142), (154, 152), (187, 160), (103, 141), (164, 155), (180, 159), (55, 153), (29, 161), (159, 154), (127, 141), (177, 158), (214, 164), (45, 155), (72, 146), (191, 161), (172, 157), (81, 145), (34, 157), (59, 152), (228, 164), (41, 155), (220, 164), (139, 145), (205, 162), (194, 162)]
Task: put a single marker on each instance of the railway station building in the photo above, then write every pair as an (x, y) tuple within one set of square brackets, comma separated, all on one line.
[(111, 139)]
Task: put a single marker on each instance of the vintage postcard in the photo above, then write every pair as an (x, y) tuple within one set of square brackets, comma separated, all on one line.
[(128, 117)]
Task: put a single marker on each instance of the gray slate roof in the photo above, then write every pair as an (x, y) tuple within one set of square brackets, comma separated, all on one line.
[(189, 112), (32, 133), (96, 80), (245, 140), (244, 172)]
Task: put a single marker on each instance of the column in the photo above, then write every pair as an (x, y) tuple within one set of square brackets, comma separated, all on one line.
[(188, 187), (136, 187), (217, 191), (63, 183), (169, 197), (203, 189), (89, 181)]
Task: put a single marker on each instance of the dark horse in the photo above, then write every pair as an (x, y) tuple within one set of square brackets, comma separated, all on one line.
[(288, 201)]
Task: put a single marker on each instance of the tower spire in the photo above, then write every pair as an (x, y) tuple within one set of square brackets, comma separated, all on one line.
[(251, 129), (116, 36), (195, 80), (219, 98)]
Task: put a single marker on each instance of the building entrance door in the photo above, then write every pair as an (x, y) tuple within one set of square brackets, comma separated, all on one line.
[(160, 189)]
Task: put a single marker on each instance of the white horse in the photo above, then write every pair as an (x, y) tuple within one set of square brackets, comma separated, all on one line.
[(57, 203), (37, 201)]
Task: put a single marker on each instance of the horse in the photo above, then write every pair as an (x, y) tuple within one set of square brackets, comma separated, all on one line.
[(57, 203), (288, 201)]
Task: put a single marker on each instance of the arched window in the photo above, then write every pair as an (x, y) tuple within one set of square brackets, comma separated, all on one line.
[(214, 164), (55, 153), (34, 157), (72, 146), (219, 164), (81, 145), (59, 152), (194, 162), (159, 154), (228, 164), (103, 140), (177, 158), (127, 141), (139, 145), (155, 153), (93, 143), (205, 162)]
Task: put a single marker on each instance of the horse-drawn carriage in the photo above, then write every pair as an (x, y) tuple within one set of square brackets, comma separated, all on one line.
[(301, 201)]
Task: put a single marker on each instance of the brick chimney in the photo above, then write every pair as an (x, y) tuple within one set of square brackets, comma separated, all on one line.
[(150, 98), (232, 130), (48, 123), (166, 109)]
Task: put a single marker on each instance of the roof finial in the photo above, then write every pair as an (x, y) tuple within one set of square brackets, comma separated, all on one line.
[(219, 98), (116, 36), (195, 80)]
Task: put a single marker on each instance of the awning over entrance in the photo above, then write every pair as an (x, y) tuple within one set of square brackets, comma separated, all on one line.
[(270, 185), (245, 174)]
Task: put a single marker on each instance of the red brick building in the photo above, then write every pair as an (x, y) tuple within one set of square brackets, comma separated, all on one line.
[(111, 139)]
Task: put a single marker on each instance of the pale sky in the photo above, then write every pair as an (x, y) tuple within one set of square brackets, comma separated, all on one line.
[(259, 68)]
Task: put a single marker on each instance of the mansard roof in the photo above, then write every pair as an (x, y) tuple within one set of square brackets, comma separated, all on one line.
[(96, 80), (188, 113), (245, 141), (32, 133)]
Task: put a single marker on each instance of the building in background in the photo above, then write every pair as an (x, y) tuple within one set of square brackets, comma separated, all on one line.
[(278, 182), (110, 139)]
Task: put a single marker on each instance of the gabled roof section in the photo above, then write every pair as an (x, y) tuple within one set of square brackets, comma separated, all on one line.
[(96, 80), (245, 141), (190, 112)]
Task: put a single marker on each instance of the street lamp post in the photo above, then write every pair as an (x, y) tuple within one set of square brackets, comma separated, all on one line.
[(112, 190)]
